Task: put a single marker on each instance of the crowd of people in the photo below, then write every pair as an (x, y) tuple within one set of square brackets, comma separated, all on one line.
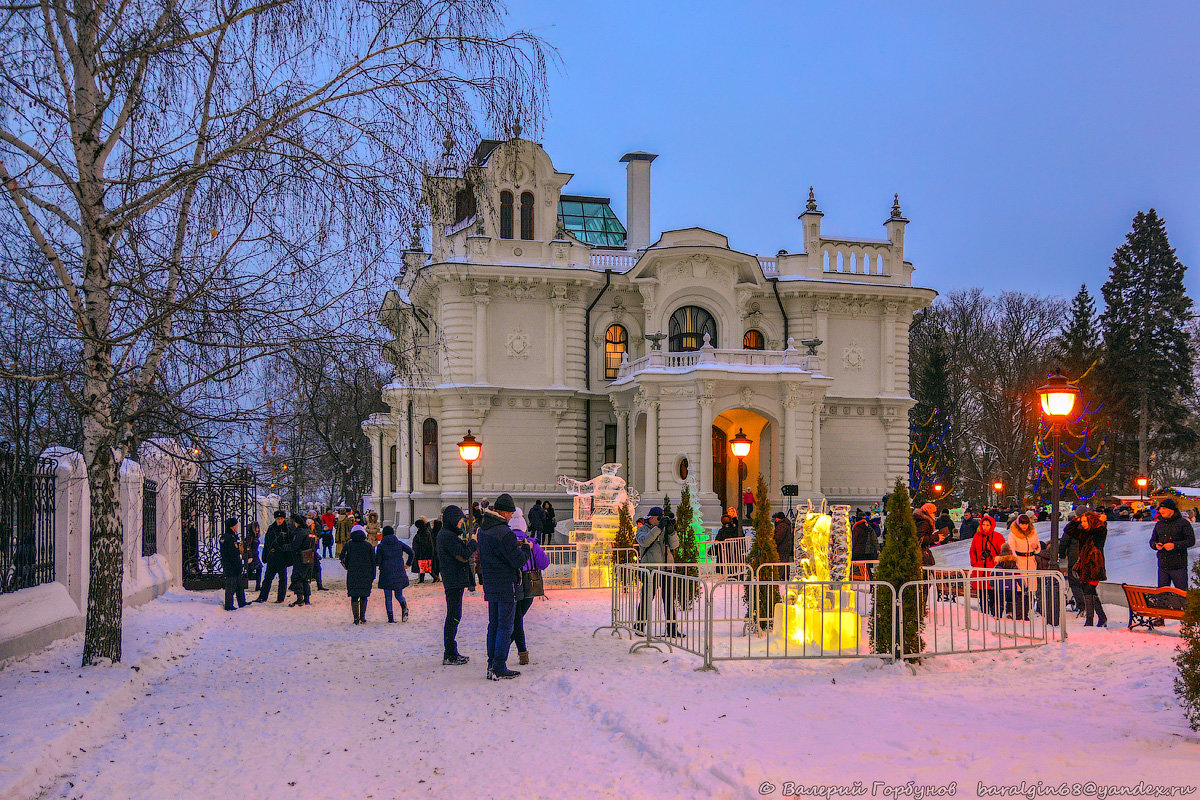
[(502, 549)]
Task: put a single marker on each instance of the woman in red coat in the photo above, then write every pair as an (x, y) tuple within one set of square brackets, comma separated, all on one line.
[(986, 545)]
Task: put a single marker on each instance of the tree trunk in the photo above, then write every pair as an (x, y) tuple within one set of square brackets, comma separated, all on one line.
[(102, 635), (1144, 434)]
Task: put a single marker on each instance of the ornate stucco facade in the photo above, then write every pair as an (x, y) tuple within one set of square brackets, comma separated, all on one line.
[(516, 327)]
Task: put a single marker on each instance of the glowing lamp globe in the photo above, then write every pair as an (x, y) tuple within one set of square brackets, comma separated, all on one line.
[(740, 444), (1142, 483), (998, 486), (937, 487), (1058, 396), (469, 449)]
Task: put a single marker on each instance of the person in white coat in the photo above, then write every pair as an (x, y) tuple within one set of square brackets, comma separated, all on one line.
[(1023, 539)]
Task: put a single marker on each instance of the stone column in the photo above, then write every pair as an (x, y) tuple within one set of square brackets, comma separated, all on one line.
[(481, 302), (706, 423), (790, 405), (381, 466), (558, 337), (623, 441), (652, 447), (165, 462), (887, 350), (816, 447), (822, 333)]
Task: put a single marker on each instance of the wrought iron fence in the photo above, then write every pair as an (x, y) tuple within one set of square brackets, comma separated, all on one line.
[(149, 518), (26, 522), (204, 507)]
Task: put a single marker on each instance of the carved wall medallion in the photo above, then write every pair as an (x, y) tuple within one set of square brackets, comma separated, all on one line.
[(517, 345), (853, 356), (747, 396)]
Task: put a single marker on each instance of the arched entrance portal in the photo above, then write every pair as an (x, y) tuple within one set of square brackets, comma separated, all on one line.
[(761, 459)]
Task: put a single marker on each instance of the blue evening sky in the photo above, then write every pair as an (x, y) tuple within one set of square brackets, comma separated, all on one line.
[(1022, 137)]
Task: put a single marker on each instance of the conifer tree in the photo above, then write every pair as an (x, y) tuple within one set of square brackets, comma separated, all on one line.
[(624, 540), (1187, 655), (931, 448), (1148, 358), (1079, 343), (762, 551), (687, 553), (899, 563), (666, 507)]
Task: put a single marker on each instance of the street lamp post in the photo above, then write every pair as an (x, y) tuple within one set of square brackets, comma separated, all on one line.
[(999, 487), (1142, 483), (469, 450), (740, 445), (1058, 396)]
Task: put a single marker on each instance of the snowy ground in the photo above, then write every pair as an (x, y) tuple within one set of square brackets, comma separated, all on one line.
[(275, 702)]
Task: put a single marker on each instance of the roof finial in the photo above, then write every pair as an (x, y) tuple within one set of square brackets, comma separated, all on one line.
[(896, 207), (812, 200), (415, 244), (448, 144), (516, 129)]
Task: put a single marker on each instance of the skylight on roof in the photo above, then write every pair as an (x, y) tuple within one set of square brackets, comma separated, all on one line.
[(591, 220)]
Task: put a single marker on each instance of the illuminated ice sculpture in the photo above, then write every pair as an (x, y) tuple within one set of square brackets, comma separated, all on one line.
[(815, 615), (596, 512)]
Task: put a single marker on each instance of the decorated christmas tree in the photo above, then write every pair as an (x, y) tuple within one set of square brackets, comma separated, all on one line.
[(762, 551), (1187, 655), (624, 541), (899, 563), (1081, 458)]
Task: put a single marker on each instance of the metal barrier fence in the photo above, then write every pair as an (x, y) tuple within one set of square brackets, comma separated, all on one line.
[(729, 551), (149, 518), (583, 566), (27, 498), (971, 611), (724, 619)]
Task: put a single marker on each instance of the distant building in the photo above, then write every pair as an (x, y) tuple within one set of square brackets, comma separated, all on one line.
[(563, 340)]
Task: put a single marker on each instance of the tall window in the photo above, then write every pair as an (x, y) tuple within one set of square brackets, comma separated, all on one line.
[(687, 328), (429, 451), (391, 483), (754, 340), (616, 344), (526, 216), (464, 205), (506, 215), (610, 444)]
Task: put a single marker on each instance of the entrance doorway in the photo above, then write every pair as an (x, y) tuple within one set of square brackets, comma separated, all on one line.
[(720, 457)]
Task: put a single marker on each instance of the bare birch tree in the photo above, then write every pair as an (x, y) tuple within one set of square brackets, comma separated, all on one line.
[(198, 180)]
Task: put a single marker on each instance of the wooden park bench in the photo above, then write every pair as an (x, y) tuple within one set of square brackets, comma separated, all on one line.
[(1151, 608)]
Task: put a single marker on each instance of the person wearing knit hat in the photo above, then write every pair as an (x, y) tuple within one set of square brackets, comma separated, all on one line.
[(454, 550), (1172, 536), (501, 559)]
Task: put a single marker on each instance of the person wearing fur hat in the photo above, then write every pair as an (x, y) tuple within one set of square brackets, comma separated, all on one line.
[(1172, 536), (358, 557), (501, 559), (1022, 538), (278, 556), (455, 549), (231, 565)]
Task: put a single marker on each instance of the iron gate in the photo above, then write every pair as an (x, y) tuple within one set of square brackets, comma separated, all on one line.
[(204, 507), (26, 522)]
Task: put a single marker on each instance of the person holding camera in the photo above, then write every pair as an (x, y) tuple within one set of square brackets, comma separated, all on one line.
[(656, 541), (455, 547)]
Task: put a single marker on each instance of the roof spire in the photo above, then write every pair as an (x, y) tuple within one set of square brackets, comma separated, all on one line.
[(415, 244), (812, 200), (447, 144), (516, 129), (896, 214)]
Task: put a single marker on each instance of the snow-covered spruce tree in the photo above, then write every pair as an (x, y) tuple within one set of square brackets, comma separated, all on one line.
[(624, 541), (1187, 657), (899, 563), (762, 551)]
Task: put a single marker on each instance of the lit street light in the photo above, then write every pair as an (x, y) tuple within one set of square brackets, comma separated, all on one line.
[(469, 450), (1142, 483), (1057, 396), (740, 445)]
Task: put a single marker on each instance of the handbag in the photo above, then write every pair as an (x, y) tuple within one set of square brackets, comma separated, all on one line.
[(532, 584), (307, 556), (425, 565)]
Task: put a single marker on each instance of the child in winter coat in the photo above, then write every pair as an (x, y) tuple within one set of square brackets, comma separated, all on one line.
[(393, 574)]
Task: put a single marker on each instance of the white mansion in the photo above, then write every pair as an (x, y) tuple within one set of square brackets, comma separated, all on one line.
[(563, 340)]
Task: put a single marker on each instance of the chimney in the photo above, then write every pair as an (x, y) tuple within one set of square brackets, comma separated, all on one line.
[(637, 199)]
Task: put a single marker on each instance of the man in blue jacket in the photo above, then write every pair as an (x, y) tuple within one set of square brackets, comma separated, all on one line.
[(501, 559)]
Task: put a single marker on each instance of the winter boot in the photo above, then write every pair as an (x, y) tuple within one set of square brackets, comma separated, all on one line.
[(404, 613), (391, 617), (1101, 617), (354, 608), (523, 657), (1089, 610), (362, 611)]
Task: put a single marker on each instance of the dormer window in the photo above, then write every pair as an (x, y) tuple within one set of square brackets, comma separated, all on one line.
[(506, 215), (464, 205), (526, 216)]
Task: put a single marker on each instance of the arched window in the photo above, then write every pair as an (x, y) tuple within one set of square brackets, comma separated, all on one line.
[(754, 340), (526, 216), (506, 212), (687, 328), (464, 205), (429, 451), (616, 345)]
